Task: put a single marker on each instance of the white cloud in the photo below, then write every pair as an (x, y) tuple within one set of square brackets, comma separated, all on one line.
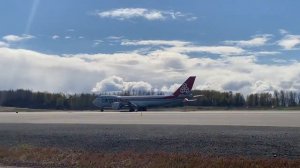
[(157, 68), (114, 37), (206, 86), (283, 31), (262, 86), (193, 18), (110, 84), (177, 46), (3, 44), (55, 37), (171, 88), (67, 37), (258, 40), (148, 14), (15, 38), (97, 42), (289, 42), (127, 13), (155, 42), (32, 70), (115, 83), (262, 53), (235, 85)]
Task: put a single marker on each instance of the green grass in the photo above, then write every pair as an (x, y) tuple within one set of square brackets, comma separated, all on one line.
[(26, 155)]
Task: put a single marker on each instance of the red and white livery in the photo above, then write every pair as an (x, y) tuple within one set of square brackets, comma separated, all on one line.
[(141, 103)]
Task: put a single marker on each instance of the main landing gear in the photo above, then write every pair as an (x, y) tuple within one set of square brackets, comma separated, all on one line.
[(137, 109)]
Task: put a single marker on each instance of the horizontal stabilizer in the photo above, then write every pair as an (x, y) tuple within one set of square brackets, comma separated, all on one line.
[(189, 100)]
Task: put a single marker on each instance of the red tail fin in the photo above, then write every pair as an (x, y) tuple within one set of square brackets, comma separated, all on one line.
[(186, 87)]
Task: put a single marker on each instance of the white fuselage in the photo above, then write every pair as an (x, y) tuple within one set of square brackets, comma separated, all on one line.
[(138, 101)]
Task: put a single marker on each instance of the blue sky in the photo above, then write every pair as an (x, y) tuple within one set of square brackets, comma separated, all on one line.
[(266, 33), (216, 21)]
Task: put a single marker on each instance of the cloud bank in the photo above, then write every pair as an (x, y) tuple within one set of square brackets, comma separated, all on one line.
[(115, 84), (161, 68)]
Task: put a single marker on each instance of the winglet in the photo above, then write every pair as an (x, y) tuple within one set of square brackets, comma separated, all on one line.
[(186, 87)]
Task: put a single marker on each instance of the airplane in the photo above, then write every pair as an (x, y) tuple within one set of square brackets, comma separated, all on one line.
[(141, 103)]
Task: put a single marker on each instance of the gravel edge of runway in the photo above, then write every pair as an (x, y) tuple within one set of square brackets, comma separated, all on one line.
[(246, 141)]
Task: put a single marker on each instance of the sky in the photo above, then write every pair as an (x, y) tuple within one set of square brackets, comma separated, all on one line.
[(74, 46)]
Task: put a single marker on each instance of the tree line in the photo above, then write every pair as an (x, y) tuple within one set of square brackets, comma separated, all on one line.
[(253, 100), (44, 100)]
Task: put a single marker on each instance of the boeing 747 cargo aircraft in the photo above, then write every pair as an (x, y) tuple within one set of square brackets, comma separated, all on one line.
[(141, 103)]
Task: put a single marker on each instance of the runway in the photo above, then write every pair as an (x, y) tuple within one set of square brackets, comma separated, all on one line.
[(233, 118), (228, 133)]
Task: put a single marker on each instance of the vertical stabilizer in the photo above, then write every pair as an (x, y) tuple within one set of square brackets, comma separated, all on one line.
[(186, 87)]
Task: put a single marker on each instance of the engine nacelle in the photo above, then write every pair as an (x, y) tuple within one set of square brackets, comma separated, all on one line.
[(116, 105)]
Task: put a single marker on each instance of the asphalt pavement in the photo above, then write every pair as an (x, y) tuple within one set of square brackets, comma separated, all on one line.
[(225, 133), (238, 118)]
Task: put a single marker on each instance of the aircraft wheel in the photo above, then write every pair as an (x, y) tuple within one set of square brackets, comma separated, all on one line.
[(102, 110)]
